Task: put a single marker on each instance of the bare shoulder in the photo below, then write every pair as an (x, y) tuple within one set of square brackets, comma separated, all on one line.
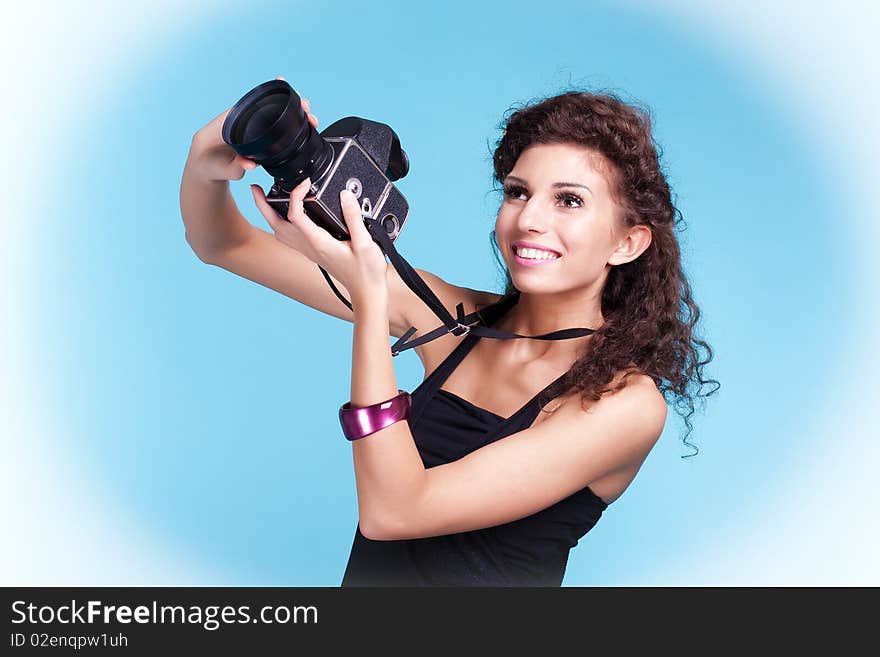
[(448, 293), (637, 392), (635, 414), (417, 314)]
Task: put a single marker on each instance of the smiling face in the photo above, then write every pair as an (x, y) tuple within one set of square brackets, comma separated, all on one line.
[(558, 197)]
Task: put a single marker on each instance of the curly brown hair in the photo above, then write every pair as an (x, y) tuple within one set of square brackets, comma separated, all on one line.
[(649, 310)]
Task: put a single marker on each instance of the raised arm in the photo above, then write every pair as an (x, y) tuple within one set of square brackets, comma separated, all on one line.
[(221, 236)]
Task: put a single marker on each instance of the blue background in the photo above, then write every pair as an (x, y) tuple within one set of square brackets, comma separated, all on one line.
[(205, 405)]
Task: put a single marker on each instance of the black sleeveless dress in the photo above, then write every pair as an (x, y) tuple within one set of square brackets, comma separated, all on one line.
[(531, 551)]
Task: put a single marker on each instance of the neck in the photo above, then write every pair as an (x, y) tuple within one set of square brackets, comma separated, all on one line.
[(537, 314)]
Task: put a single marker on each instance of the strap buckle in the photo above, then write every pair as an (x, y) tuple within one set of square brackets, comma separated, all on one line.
[(461, 328), (401, 341)]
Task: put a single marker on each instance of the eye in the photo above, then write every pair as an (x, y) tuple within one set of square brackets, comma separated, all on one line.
[(514, 191), (567, 198)]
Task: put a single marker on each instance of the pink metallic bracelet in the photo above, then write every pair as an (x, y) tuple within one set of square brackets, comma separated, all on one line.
[(360, 422)]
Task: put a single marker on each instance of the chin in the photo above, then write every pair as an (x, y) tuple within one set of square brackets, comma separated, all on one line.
[(530, 285)]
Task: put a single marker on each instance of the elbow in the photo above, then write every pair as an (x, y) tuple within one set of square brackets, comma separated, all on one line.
[(202, 253), (394, 516), (370, 530), (377, 531), (378, 527)]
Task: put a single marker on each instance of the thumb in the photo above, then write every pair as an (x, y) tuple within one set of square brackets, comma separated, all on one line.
[(245, 163)]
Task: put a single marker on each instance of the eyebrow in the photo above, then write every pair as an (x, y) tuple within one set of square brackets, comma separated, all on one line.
[(555, 185)]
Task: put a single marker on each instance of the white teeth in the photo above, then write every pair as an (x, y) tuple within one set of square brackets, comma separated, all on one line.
[(535, 254)]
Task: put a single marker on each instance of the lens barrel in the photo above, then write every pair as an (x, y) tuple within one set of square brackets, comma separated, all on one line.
[(269, 126)]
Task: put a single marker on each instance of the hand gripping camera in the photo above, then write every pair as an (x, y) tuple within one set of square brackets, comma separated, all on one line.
[(269, 126)]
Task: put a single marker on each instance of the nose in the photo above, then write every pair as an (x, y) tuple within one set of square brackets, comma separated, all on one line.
[(531, 218)]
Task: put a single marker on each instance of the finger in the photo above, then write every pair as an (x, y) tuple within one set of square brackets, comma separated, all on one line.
[(237, 165), (245, 163), (354, 219), (296, 214), (266, 209), (295, 209), (318, 238), (307, 108)]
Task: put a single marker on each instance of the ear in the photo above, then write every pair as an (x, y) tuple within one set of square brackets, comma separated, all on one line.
[(631, 245)]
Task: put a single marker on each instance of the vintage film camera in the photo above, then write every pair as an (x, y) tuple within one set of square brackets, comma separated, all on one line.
[(269, 126)]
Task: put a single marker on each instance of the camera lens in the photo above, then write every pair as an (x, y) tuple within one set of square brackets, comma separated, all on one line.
[(258, 117), (269, 126)]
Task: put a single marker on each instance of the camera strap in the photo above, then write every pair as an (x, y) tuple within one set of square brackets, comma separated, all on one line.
[(458, 325)]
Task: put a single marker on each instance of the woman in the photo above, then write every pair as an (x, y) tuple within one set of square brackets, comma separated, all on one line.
[(512, 449)]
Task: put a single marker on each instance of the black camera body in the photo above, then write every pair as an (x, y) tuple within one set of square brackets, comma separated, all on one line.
[(365, 157), (361, 152)]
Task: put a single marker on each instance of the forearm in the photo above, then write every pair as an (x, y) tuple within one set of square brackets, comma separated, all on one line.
[(209, 213), (388, 468)]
